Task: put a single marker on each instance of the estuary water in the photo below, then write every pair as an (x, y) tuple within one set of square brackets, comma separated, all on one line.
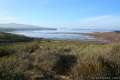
[(59, 34)]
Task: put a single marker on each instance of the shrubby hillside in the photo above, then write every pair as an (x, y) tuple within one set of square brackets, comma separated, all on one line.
[(59, 60)]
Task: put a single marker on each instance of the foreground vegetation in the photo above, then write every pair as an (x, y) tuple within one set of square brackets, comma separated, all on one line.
[(59, 60)]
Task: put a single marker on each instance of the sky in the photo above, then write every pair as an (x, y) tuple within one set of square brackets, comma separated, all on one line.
[(62, 13)]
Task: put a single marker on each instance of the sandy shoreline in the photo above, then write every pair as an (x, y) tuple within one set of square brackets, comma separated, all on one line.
[(109, 37), (102, 37)]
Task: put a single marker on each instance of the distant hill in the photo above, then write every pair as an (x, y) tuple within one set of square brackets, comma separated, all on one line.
[(14, 27), (12, 38), (117, 31)]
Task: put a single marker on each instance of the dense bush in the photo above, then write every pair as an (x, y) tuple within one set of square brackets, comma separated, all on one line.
[(9, 75), (5, 51), (9, 69), (64, 63)]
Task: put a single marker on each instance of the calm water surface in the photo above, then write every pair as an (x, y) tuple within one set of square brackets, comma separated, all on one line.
[(58, 34)]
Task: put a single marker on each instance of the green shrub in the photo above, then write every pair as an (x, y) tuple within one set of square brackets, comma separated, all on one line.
[(9, 75), (9, 69), (5, 51), (64, 64)]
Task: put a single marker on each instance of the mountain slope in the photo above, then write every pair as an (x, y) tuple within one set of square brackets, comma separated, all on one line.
[(14, 27), (11, 38)]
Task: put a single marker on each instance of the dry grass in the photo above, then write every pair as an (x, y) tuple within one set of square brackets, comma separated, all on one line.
[(61, 60)]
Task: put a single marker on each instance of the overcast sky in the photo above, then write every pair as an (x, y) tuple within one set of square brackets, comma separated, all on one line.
[(62, 13)]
